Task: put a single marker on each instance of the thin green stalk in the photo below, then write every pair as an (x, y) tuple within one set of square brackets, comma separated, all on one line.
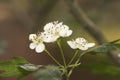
[(49, 54), (62, 53), (75, 54), (63, 58), (77, 61), (67, 77)]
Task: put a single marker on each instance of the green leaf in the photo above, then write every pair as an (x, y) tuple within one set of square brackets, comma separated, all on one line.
[(101, 49), (26, 69), (30, 67), (117, 45), (104, 48), (11, 67), (48, 73), (103, 67)]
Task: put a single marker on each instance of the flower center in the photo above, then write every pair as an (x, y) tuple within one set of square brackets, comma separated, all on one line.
[(37, 39)]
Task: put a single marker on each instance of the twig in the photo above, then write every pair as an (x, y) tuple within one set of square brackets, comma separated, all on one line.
[(89, 26)]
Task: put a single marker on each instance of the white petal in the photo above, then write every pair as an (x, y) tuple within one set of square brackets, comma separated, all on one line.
[(65, 27), (49, 37), (32, 45), (62, 33), (69, 32), (83, 47), (80, 40), (31, 36), (59, 25), (72, 44), (54, 38), (40, 48), (48, 26), (65, 33), (90, 44)]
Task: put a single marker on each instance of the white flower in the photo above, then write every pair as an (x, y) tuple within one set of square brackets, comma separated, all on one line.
[(37, 43), (50, 33), (64, 31), (54, 30), (80, 43)]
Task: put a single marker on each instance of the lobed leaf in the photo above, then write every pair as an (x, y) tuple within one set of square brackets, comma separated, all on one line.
[(104, 48), (11, 67)]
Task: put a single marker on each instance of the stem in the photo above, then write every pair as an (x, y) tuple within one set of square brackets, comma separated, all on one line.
[(77, 61), (75, 54), (52, 57), (62, 53), (63, 58), (67, 77)]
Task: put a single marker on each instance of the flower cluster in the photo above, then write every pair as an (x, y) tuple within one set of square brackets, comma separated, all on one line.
[(52, 31), (80, 43)]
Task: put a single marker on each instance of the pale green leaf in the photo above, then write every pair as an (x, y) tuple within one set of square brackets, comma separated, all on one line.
[(106, 47)]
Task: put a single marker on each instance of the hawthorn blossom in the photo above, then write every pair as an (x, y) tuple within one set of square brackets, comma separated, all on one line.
[(64, 31), (52, 31), (37, 43), (80, 43), (55, 30)]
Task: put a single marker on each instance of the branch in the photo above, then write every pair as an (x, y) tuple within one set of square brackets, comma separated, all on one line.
[(89, 26)]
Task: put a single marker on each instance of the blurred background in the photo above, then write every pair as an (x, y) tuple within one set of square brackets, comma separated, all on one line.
[(19, 18)]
